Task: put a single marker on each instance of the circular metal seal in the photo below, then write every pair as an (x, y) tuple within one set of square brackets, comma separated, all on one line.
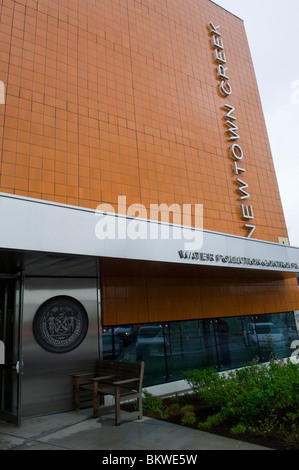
[(60, 324)]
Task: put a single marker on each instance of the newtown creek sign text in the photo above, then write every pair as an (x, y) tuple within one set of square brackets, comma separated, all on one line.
[(235, 150)]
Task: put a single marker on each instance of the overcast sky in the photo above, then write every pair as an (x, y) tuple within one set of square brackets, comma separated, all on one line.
[(272, 31)]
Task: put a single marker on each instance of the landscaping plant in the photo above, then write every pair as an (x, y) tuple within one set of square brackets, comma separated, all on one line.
[(262, 399)]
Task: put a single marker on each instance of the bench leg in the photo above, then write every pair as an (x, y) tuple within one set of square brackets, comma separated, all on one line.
[(77, 393), (95, 400), (140, 410), (117, 406)]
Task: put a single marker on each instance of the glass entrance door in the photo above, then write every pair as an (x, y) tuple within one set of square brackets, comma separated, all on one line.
[(11, 370)]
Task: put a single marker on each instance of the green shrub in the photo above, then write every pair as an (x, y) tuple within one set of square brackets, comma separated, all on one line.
[(151, 403), (189, 418), (247, 395), (267, 426), (174, 407), (290, 436), (213, 420), (239, 429), (187, 408)]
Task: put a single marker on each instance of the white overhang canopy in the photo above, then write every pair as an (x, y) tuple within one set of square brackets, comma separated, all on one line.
[(36, 225)]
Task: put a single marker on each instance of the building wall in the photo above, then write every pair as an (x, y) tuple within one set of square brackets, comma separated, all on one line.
[(112, 98), (140, 292), (132, 299), (107, 98)]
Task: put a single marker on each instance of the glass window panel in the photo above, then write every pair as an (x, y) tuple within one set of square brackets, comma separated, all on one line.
[(119, 343), (110, 345), (275, 332), (189, 345), (140, 343), (170, 349), (150, 348), (235, 345), (291, 333)]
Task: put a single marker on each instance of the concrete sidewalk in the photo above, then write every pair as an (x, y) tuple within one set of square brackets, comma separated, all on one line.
[(79, 431)]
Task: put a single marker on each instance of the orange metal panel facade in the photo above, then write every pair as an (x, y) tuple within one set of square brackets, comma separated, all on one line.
[(175, 295), (110, 98), (120, 97)]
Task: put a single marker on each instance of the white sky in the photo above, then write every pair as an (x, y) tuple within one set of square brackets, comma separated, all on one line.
[(272, 32)]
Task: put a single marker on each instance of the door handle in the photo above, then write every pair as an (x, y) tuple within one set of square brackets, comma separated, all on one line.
[(18, 368)]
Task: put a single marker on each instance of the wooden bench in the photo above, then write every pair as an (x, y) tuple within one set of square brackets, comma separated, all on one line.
[(122, 380)]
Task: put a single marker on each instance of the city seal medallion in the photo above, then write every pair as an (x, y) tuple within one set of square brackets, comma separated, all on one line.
[(60, 324)]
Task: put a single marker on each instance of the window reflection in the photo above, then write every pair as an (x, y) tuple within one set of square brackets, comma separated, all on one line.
[(191, 345), (116, 342), (170, 349)]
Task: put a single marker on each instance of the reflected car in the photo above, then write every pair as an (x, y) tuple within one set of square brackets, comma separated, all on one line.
[(263, 334), (150, 342), (114, 340), (126, 334), (291, 335), (112, 345)]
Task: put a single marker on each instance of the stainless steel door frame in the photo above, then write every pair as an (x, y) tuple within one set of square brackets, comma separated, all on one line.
[(47, 381), (11, 371)]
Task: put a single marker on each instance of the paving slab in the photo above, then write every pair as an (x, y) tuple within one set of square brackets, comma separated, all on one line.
[(79, 431)]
